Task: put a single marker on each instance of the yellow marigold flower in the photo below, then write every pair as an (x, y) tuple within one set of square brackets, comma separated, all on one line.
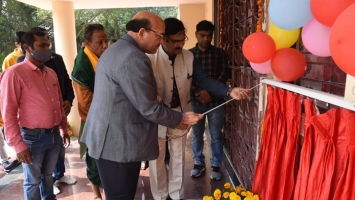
[(229, 193), (238, 189), (217, 194), (227, 185), (256, 197), (234, 196), (207, 198), (249, 194)]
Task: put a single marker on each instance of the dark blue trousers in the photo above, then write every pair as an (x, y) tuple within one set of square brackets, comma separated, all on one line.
[(119, 180)]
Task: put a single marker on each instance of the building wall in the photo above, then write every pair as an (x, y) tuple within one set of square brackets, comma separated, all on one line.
[(190, 15)]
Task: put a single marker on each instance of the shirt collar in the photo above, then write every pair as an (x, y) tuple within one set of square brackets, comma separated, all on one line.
[(134, 41), (32, 66), (198, 49)]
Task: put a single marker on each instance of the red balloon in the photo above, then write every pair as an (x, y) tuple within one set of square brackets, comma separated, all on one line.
[(342, 40), (327, 11), (288, 64), (259, 47)]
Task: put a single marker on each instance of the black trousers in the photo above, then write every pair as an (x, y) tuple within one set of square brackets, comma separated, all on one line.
[(119, 180)]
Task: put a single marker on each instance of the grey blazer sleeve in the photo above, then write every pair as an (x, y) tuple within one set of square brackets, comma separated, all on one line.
[(137, 81)]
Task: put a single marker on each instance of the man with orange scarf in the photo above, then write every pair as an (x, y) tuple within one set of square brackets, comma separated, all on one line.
[(83, 76)]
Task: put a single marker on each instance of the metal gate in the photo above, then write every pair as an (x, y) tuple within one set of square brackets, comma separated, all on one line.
[(237, 20)]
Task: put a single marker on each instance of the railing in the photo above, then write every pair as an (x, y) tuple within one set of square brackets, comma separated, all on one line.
[(322, 96)]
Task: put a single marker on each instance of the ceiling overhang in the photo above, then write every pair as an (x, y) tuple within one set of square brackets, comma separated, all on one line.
[(99, 4)]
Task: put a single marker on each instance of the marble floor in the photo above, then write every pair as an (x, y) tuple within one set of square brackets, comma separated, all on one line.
[(195, 188)]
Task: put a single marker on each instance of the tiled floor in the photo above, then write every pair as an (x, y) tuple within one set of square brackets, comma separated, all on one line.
[(195, 188)]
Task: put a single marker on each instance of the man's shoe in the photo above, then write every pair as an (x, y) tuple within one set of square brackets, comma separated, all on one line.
[(5, 164), (55, 190), (216, 173), (197, 170), (12, 165), (66, 179)]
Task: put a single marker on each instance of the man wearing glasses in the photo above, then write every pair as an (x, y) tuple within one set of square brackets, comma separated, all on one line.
[(174, 69), (121, 126)]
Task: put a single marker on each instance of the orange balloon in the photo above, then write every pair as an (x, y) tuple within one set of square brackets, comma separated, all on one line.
[(288, 64), (259, 47), (327, 11), (342, 40)]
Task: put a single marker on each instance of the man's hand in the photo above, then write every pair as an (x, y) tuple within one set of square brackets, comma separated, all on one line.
[(67, 107), (203, 96), (191, 118), (239, 93), (182, 126), (66, 140), (25, 156), (159, 99)]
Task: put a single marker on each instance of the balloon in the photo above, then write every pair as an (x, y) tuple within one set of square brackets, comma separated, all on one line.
[(342, 40), (258, 47), (283, 38), (327, 11), (262, 68), (290, 14), (315, 37), (288, 64)]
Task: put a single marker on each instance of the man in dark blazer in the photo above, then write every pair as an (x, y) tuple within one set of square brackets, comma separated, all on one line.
[(122, 125)]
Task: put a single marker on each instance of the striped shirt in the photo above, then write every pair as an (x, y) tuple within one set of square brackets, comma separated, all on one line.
[(214, 62)]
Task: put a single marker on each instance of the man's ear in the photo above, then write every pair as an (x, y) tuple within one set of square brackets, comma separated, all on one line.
[(141, 33), (87, 42), (26, 47)]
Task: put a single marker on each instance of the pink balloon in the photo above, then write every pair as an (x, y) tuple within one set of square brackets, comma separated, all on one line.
[(262, 68), (315, 37)]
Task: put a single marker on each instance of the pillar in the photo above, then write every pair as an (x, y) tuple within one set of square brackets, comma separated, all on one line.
[(190, 15), (65, 45)]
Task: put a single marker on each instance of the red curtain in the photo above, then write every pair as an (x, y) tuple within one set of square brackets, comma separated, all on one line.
[(346, 185), (323, 158), (306, 153), (275, 171), (327, 161)]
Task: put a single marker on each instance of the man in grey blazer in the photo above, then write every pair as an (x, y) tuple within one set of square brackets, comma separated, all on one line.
[(121, 129)]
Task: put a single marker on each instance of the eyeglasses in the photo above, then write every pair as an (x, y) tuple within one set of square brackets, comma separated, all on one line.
[(158, 34), (178, 41)]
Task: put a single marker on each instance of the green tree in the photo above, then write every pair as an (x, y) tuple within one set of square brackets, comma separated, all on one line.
[(115, 20), (16, 16)]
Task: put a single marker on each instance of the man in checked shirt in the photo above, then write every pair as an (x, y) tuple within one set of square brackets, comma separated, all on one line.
[(214, 62), (32, 108)]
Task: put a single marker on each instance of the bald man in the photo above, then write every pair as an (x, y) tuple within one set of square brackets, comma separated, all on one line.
[(121, 129)]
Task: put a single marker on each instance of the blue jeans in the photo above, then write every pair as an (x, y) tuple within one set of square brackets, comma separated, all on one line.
[(215, 124), (38, 180), (59, 169)]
